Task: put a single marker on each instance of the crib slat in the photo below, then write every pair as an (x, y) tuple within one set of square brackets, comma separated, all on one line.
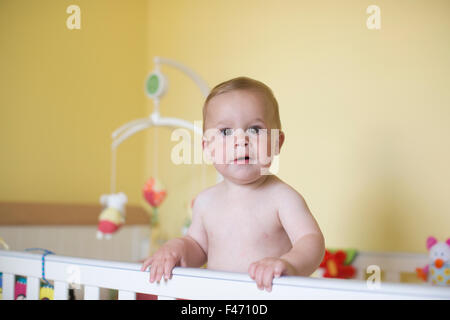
[(33, 286), (165, 298), (8, 286), (127, 295), (91, 293), (61, 290)]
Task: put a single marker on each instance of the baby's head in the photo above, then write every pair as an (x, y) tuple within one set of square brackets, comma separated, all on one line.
[(240, 118), (248, 85)]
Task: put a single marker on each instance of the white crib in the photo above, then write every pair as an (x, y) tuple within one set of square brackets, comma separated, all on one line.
[(190, 283)]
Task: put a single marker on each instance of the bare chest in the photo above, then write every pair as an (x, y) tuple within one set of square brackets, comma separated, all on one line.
[(242, 232), (251, 218)]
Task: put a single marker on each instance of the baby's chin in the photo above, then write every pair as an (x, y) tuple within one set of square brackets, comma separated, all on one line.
[(240, 173)]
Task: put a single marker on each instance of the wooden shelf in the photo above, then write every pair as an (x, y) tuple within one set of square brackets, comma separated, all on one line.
[(23, 213)]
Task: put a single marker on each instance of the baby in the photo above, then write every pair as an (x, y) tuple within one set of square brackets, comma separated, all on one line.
[(251, 221)]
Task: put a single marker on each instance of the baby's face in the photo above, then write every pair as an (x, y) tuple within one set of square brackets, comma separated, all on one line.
[(238, 135)]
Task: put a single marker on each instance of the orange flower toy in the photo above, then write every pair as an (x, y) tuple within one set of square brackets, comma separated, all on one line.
[(154, 193)]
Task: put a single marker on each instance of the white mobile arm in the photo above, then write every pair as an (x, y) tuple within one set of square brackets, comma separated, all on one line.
[(191, 74), (158, 87), (155, 120), (134, 126)]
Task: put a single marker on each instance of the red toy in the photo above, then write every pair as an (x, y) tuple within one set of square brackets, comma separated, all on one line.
[(154, 193), (334, 265)]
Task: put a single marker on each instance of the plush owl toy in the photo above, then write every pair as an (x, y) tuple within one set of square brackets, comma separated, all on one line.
[(437, 272), (113, 214)]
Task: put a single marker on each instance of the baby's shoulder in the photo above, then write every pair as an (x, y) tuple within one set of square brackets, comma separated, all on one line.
[(204, 198), (282, 190)]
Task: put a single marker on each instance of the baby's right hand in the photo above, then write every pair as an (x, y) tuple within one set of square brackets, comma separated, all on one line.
[(164, 260)]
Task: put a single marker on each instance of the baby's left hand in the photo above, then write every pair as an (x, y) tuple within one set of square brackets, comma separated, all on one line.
[(263, 271)]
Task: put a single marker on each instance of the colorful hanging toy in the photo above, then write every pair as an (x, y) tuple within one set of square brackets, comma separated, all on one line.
[(437, 272), (46, 289), (154, 193), (20, 288), (113, 215)]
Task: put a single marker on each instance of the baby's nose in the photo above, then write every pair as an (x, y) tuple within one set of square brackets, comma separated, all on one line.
[(240, 137)]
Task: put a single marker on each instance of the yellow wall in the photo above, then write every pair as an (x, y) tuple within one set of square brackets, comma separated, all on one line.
[(63, 92), (365, 112)]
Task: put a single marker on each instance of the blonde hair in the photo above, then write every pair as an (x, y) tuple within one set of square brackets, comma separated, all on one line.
[(245, 83)]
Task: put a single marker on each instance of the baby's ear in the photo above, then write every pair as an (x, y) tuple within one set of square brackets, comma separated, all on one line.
[(205, 144), (281, 138), (206, 137), (206, 151)]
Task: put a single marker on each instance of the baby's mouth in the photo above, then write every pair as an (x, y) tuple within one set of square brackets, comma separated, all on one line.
[(242, 160)]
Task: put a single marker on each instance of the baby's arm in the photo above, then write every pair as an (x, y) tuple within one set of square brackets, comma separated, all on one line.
[(308, 245), (187, 251)]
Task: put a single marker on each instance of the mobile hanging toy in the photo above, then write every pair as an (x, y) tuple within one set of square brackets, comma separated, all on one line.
[(154, 193), (112, 216)]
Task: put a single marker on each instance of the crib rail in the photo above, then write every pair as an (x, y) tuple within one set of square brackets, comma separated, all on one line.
[(392, 264), (187, 283)]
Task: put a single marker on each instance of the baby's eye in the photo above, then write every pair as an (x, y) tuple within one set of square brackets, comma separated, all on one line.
[(226, 131), (253, 130)]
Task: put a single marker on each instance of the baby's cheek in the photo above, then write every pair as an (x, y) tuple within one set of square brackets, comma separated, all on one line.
[(218, 151), (223, 169), (263, 150)]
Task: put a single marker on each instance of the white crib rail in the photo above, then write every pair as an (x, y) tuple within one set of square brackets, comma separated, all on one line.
[(188, 283)]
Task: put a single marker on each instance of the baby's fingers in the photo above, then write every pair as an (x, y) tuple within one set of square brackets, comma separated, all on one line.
[(267, 278), (162, 268), (259, 276), (154, 272), (279, 269), (168, 266), (251, 270), (146, 263)]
